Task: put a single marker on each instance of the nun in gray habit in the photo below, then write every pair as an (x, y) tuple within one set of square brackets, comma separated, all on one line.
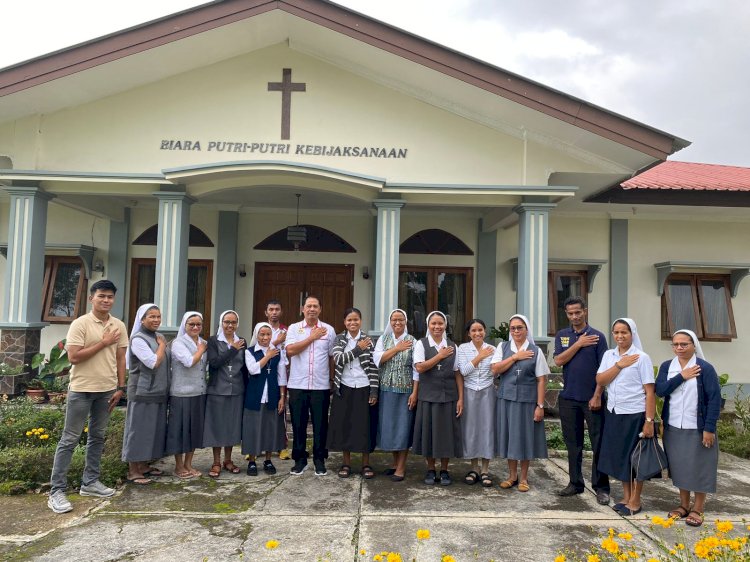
[(225, 393), (147, 359)]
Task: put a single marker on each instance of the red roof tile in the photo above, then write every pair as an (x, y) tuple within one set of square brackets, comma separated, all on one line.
[(692, 176)]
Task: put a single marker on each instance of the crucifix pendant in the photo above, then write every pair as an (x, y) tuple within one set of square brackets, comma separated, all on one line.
[(268, 370), (230, 369), (439, 366)]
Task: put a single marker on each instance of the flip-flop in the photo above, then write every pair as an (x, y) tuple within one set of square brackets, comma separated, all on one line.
[(506, 484), (154, 472), (523, 486), (185, 475), (139, 481)]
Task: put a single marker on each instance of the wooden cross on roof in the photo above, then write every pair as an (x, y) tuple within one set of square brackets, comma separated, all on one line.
[(286, 87)]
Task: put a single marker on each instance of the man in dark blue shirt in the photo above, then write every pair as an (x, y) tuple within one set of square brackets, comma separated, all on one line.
[(579, 350)]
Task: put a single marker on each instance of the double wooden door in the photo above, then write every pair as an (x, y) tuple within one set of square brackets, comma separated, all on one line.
[(291, 283)]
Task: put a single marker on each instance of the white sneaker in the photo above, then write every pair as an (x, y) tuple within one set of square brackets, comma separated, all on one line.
[(58, 502), (96, 489)]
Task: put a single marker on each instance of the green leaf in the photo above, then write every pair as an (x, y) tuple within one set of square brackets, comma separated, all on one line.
[(37, 360)]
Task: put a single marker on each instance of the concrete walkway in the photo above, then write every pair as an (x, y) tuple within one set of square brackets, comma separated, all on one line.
[(327, 518)]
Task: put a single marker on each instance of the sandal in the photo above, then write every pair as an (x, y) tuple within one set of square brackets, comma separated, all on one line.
[(229, 466), (139, 481), (679, 513), (694, 521), (471, 477), (345, 471), (252, 468), (506, 484), (523, 486), (367, 472), (268, 467), (153, 472), (445, 478), (215, 470), (486, 480)]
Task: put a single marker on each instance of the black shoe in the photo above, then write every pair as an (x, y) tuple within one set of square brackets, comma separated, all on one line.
[(320, 467), (569, 490), (602, 497), (268, 467), (431, 478), (389, 471), (445, 478), (299, 467), (252, 469)]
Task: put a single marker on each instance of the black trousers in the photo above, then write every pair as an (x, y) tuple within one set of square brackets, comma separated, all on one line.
[(572, 415), (302, 405)]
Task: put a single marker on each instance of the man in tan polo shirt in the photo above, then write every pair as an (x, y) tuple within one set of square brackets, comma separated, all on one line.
[(96, 345)]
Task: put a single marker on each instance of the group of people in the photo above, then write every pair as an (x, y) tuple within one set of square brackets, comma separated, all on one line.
[(431, 396)]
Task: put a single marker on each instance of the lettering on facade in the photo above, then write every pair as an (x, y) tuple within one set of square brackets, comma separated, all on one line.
[(284, 148)]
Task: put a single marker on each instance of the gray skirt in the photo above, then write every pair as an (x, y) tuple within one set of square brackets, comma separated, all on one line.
[(262, 430), (437, 431), (518, 436), (145, 434), (185, 423), (223, 425), (395, 421), (691, 465), (478, 423)]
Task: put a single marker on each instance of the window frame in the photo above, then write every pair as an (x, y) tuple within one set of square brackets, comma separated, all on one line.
[(51, 266), (552, 305), (698, 306)]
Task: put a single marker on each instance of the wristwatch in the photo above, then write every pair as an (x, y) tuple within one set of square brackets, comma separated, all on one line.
[(649, 420), (122, 388), (540, 406)]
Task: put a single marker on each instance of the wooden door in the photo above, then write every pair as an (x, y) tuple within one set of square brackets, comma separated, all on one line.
[(291, 283), (197, 296)]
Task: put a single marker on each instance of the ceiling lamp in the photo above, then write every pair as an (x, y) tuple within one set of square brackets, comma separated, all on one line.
[(296, 234)]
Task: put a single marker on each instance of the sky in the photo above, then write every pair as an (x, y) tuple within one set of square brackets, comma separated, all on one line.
[(679, 66)]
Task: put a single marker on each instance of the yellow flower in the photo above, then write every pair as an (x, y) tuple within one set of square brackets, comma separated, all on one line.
[(86, 429), (270, 545), (363, 552), (447, 558), (656, 520), (377, 558), (680, 546), (622, 556), (610, 545), (625, 536), (28, 434), (672, 551), (45, 436), (632, 554), (394, 557), (423, 534), (560, 558), (593, 558), (611, 532), (652, 560), (41, 430), (724, 526), (701, 550)]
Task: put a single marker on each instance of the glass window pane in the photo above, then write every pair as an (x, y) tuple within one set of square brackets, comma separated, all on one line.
[(196, 288), (146, 282), (566, 286), (452, 301), (681, 306), (65, 290), (412, 297), (715, 311)]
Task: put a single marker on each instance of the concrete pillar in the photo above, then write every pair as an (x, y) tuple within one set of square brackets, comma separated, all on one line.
[(117, 261), (618, 269), (226, 262), (531, 298), (172, 257), (388, 233), (486, 276)]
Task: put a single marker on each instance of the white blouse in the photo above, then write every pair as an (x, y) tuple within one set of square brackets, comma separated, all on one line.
[(475, 378), (253, 368), (683, 402), (625, 394), (419, 352), (541, 369)]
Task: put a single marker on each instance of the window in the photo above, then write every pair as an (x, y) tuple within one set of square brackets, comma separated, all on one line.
[(698, 302), (447, 289), (317, 239), (563, 284), (434, 241), (63, 290)]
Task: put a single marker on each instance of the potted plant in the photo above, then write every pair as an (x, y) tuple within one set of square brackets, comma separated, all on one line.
[(554, 387), (57, 388), (48, 371), (723, 381), (499, 333)]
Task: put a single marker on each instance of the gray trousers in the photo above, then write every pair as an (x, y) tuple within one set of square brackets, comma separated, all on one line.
[(81, 405)]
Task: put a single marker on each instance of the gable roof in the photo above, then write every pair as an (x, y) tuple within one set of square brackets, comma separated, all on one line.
[(691, 176), (155, 36)]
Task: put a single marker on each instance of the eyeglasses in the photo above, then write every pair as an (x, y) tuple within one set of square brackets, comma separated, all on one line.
[(195, 324), (517, 328), (229, 322), (681, 344)]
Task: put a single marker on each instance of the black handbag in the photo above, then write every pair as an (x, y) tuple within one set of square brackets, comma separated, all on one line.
[(648, 459)]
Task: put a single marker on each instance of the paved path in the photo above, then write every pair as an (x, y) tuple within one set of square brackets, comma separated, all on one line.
[(327, 518)]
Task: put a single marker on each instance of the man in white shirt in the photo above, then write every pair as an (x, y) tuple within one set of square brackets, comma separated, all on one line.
[(308, 345)]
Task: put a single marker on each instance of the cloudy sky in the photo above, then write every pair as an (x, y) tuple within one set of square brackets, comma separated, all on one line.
[(680, 66)]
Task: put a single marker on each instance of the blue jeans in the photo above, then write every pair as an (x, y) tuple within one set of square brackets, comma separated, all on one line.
[(81, 405)]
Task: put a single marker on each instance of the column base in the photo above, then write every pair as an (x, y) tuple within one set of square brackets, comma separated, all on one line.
[(17, 347)]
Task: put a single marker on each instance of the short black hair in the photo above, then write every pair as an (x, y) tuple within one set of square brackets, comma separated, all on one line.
[(308, 297), (103, 285), (273, 301), (574, 300), (473, 321), (348, 311)]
